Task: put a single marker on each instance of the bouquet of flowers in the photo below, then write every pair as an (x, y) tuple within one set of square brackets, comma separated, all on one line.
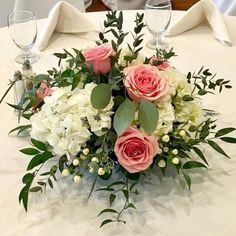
[(113, 110)]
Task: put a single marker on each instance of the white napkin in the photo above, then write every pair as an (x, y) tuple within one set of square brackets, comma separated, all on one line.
[(202, 10), (65, 18)]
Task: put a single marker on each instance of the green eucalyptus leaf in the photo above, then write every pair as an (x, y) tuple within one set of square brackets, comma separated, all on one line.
[(193, 164), (39, 159), (228, 139), (28, 178), (35, 189), (76, 80), (131, 205), (124, 116), (17, 107), (224, 131), (38, 144), (188, 180), (216, 146), (67, 73), (23, 196), (187, 98), (50, 183), (108, 210), (107, 221), (60, 55), (112, 198), (148, 116), (126, 194), (30, 151), (200, 154), (106, 189), (20, 128), (101, 96)]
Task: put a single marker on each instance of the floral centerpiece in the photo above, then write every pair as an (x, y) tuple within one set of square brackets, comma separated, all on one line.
[(113, 110)]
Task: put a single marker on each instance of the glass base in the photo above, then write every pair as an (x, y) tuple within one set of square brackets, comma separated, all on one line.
[(32, 57), (152, 44)]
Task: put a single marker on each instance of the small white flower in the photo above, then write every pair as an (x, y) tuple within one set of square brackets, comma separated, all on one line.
[(77, 179), (165, 149), (165, 138), (75, 162), (66, 172), (175, 151), (95, 159), (161, 163), (182, 133), (86, 151), (101, 171), (175, 161), (159, 151)]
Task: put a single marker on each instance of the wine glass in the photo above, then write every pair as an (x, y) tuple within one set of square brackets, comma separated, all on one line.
[(157, 16), (23, 30)]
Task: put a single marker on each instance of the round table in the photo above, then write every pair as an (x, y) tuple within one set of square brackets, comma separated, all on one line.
[(164, 207)]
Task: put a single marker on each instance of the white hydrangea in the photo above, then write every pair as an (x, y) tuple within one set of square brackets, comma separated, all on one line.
[(190, 112), (166, 118), (67, 120)]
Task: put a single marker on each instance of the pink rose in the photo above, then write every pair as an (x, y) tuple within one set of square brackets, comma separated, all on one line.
[(99, 57), (43, 91), (135, 150), (164, 65), (145, 82)]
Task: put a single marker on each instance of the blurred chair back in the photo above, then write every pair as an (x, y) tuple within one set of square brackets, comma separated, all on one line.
[(41, 8)]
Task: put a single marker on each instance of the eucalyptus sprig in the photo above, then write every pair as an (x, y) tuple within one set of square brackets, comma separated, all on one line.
[(116, 188), (204, 81), (113, 24), (137, 37), (40, 154)]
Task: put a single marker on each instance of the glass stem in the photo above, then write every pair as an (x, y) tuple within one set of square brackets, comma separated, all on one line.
[(159, 40), (26, 54)]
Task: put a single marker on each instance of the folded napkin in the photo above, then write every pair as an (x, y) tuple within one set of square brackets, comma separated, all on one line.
[(65, 18), (202, 10)]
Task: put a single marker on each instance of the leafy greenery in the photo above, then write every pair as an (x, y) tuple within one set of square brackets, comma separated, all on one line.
[(206, 83)]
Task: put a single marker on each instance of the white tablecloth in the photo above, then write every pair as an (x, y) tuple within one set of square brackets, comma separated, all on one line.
[(163, 208)]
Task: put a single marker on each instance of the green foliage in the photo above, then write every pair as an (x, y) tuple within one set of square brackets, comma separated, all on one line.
[(124, 116), (216, 146), (20, 129), (204, 81), (117, 187), (162, 56), (193, 164), (39, 159), (101, 96), (148, 116)]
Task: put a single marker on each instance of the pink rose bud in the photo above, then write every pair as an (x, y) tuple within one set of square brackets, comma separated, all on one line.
[(135, 150), (99, 58), (43, 91), (145, 82)]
